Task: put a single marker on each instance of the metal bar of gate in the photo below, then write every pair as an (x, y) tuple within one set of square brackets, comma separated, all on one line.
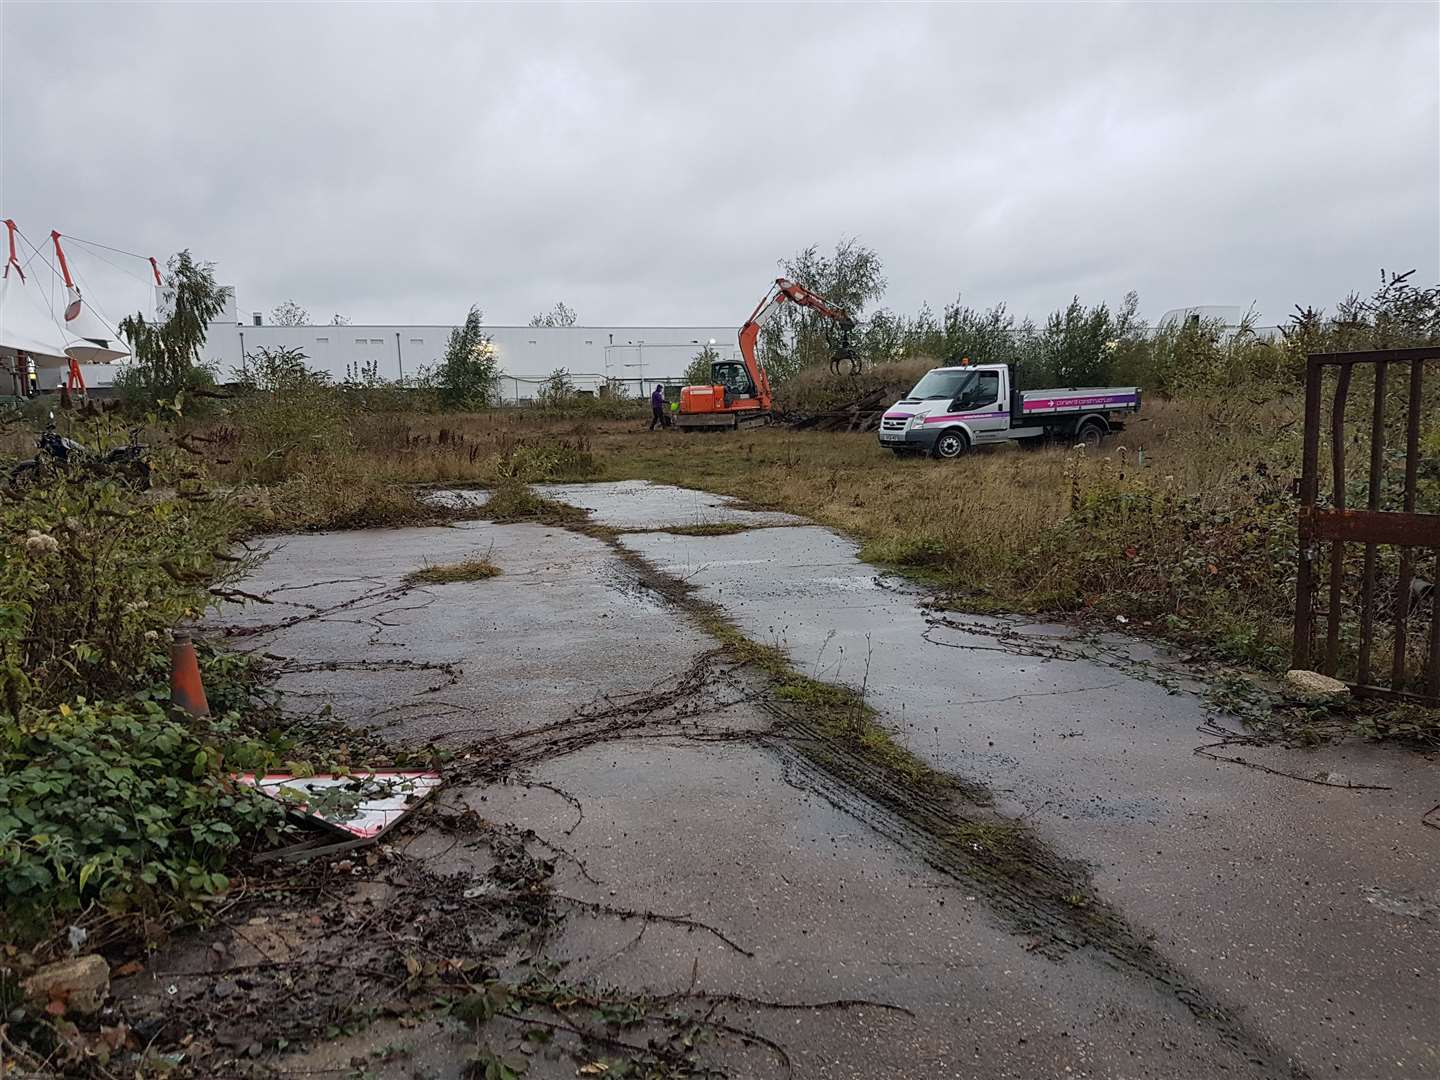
[(1309, 483), (1372, 503), (1337, 499), (1407, 554), (1432, 672)]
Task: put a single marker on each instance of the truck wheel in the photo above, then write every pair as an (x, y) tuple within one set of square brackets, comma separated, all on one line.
[(1091, 433), (951, 444)]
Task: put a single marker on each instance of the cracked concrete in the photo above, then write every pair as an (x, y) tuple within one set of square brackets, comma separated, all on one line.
[(1303, 909), (1261, 887)]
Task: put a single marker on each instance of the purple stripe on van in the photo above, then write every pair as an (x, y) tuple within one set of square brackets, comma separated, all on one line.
[(1078, 402), (947, 417), (898, 415)]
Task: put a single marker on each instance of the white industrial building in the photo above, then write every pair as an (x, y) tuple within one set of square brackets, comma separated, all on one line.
[(639, 356)]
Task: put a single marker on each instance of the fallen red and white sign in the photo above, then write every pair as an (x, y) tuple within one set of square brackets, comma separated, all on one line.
[(361, 805)]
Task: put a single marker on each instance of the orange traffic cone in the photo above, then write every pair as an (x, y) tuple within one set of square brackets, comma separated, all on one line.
[(187, 693)]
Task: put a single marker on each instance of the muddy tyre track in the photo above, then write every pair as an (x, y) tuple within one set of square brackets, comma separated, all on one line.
[(946, 821)]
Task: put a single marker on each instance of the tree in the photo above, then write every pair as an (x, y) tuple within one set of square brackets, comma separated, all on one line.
[(559, 315), (1075, 344), (698, 373), (340, 320), (850, 279), (557, 390), (280, 371), (466, 376), (290, 313), (168, 354)]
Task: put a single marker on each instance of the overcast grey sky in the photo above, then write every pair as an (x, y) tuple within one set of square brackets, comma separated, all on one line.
[(650, 163)]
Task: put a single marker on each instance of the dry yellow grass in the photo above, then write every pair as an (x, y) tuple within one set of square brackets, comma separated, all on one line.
[(475, 568), (967, 521)]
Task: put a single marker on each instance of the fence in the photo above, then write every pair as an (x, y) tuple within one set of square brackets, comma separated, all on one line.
[(1355, 634)]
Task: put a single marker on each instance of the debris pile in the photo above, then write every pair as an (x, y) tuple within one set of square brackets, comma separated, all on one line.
[(861, 414)]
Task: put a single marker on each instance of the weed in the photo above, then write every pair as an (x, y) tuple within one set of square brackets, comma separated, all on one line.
[(335, 493), (119, 803), (471, 569), (513, 500), (708, 528)]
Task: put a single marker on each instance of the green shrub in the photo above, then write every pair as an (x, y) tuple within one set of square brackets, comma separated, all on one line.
[(1203, 569), (94, 574), (335, 493), (116, 802)]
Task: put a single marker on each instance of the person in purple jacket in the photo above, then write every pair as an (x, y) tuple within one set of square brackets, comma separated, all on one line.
[(657, 408)]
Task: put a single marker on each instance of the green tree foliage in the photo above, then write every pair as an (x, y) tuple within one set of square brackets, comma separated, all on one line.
[(556, 391), (1083, 344), (851, 278), (698, 373), (465, 378), (279, 371), (167, 355), (560, 315)]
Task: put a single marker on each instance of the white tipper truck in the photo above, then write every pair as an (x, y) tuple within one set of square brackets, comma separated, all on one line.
[(954, 408)]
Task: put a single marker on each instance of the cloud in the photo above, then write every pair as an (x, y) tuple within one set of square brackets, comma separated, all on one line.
[(651, 163)]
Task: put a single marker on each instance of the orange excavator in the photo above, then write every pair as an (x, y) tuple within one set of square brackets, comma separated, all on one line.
[(739, 392)]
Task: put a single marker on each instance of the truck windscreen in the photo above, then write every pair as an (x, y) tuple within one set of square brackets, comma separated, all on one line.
[(943, 383)]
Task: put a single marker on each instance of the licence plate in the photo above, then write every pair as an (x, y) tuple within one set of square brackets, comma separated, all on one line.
[(892, 436)]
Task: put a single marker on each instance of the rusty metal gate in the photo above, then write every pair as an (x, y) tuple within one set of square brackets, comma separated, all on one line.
[(1401, 566)]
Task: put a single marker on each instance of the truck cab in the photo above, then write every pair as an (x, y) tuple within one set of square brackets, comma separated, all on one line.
[(952, 409)]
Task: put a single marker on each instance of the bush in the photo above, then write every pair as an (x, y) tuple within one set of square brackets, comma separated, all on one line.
[(334, 492), (116, 802), (1200, 569), (102, 796), (557, 391), (558, 461), (94, 574)]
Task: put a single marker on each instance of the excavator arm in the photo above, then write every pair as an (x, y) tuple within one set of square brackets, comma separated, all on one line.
[(781, 293)]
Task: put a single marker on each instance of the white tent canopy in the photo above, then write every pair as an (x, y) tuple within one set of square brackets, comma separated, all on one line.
[(26, 324)]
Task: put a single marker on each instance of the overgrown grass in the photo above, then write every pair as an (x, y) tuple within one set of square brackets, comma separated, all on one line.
[(513, 500), (475, 568), (706, 528), (1181, 526)]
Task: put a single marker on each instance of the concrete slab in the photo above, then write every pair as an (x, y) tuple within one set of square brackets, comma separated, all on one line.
[(639, 504), (1263, 888), (563, 622), (831, 911), (1307, 910)]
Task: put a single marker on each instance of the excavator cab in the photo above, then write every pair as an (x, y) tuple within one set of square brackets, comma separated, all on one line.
[(731, 374)]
